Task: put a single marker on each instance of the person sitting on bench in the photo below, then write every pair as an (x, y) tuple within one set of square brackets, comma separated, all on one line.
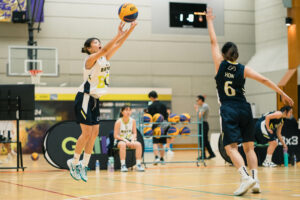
[(125, 135)]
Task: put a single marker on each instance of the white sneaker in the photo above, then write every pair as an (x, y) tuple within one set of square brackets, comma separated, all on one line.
[(256, 187), (8, 158), (246, 184), (74, 170), (83, 172), (170, 153), (156, 161), (124, 168), (139, 168), (13, 153), (268, 164)]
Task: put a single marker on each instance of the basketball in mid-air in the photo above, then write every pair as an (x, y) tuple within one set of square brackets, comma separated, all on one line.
[(128, 12)]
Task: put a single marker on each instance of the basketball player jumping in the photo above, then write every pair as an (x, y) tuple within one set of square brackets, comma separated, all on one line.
[(235, 111), (96, 80)]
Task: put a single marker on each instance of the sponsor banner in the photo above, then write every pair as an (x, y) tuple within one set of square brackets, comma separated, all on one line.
[(60, 140), (47, 113)]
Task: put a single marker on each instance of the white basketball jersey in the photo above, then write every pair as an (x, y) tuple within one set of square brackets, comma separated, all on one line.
[(126, 129), (97, 78)]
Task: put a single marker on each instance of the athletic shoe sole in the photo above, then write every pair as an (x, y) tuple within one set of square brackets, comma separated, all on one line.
[(255, 190)]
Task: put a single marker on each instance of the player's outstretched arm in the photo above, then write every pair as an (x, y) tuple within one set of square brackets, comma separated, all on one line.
[(121, 40), (94, 57), (250, 73), (215, 49)]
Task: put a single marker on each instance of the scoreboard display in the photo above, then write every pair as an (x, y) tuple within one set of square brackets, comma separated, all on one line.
[(187, 15)]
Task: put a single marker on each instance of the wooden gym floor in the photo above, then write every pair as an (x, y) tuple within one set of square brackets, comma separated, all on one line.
[(171, 181)]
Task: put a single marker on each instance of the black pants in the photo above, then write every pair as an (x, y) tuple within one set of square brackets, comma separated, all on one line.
[(205, 139)]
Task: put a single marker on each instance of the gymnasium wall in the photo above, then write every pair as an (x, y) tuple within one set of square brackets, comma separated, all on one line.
[(180, 62), (271, 56)]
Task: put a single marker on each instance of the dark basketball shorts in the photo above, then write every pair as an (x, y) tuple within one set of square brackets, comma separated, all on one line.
[(237, 122), (163, 139), (262, 138), (87, 109)]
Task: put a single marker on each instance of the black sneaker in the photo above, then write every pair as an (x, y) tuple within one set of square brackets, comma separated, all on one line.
[(200, 158), (162, 161)]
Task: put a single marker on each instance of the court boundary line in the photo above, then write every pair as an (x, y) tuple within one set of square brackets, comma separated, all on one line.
[(44, 190)]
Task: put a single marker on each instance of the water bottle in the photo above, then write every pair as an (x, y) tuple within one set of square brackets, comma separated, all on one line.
[(295, 160), (285, 157), (111, 164), (97, 166)]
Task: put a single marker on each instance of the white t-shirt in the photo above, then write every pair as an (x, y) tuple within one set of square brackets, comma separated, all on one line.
[(97, 77)]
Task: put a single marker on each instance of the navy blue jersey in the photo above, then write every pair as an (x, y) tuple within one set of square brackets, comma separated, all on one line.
[(273, 124), (262, 135), (230, 82)]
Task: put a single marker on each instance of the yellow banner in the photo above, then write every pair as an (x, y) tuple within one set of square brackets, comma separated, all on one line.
[(107, 97)]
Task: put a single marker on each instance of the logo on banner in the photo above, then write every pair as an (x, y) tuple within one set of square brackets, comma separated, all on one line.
[(100, 147), (292, 141)]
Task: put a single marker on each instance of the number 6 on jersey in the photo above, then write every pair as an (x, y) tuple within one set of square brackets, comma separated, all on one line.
[(229, 91)]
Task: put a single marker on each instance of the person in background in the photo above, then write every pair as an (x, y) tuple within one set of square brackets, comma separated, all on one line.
[(125, 135), (268, 129), (157, 107), (202, 110)]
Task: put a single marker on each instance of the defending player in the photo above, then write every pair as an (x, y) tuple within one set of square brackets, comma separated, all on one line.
[(235, 111)]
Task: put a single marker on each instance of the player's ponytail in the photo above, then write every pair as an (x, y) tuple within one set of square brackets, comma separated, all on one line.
[(84, 50), (230, 51)]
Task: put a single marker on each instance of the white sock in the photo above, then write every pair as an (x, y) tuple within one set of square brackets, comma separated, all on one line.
[(254, 174), (138, 162), (122, 162), (86, 159), (243, 172), (269, 157), (76, 159)]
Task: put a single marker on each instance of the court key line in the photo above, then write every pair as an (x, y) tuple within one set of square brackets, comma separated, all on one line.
[(40, 189)]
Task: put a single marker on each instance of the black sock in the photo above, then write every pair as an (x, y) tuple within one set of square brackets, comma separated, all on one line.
[(156, 157), (162, 159)]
